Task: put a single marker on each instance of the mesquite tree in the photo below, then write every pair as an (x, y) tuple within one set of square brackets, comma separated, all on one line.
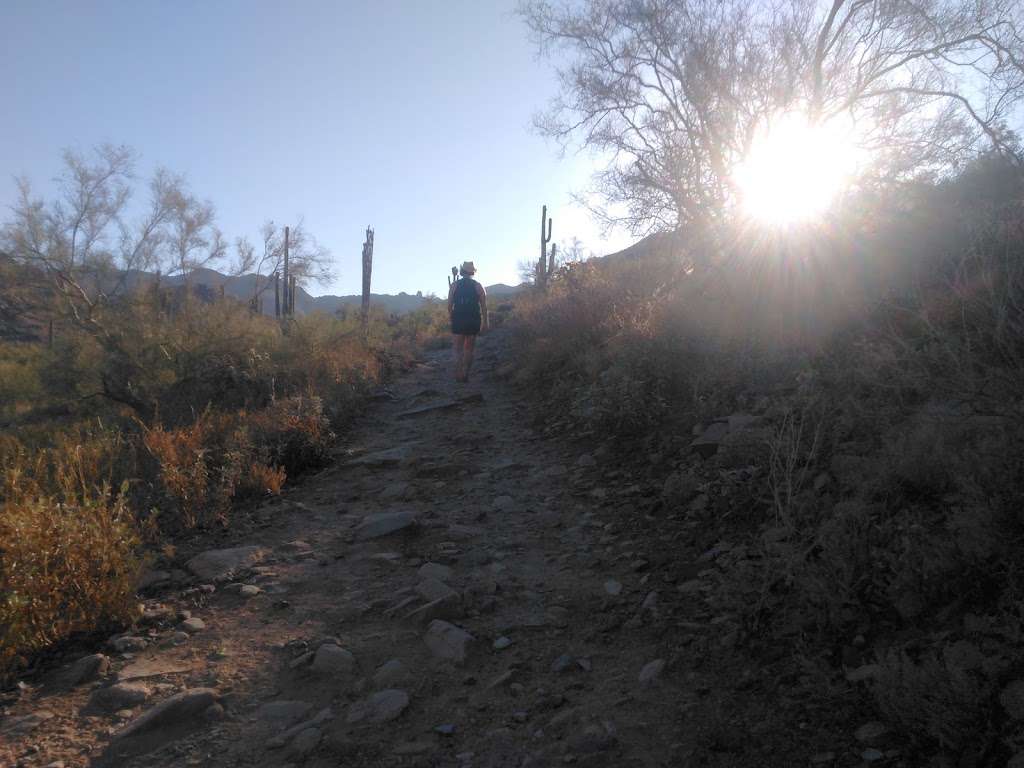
[(674, 91), (308, 261)]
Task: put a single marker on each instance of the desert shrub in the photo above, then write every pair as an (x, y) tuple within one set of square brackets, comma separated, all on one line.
[(200, 468), (68, 541), (20, 380), (936, 698)]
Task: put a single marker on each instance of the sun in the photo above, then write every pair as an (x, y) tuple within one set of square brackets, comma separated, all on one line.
[(795, 168)]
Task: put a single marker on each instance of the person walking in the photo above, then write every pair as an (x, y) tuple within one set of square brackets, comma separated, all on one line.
[(467, 309)]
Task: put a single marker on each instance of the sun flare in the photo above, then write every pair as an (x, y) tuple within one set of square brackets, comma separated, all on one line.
[(796, 168)]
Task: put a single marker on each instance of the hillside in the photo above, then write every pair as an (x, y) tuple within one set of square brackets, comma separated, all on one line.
[(242, 287)]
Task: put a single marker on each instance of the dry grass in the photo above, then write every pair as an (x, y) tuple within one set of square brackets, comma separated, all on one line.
[(224, 406)]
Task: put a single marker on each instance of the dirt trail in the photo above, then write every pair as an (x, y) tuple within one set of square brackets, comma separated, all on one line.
[(525, 554)]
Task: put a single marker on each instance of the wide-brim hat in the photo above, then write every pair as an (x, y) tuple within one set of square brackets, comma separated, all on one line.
[(467, 268)]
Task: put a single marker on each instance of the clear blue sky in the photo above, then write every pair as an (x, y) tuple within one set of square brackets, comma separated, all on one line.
[(414, 117)]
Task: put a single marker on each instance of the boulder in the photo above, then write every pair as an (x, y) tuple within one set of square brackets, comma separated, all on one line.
[(85, 670), (707, 444), (435, 571), (219, 563), (431, 589), (651, 672), (192, 625), (333, 659), (380, 707), (119, 696), (447, 641), (179, 708), (283, 714), (390, 672), (385, 458), (375, 526), (128, 644)]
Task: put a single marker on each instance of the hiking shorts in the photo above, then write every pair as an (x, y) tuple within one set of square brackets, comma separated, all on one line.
[(463, 325)]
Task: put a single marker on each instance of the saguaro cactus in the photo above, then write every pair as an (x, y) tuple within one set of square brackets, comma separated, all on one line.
[(367, 273), (542, 265)]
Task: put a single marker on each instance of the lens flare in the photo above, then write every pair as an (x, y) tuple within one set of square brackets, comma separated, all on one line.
[(796, 168)]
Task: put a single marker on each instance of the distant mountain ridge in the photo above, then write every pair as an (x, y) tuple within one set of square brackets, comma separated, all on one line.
[(242, 287)]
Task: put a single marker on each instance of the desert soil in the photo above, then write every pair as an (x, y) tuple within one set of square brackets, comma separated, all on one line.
[(521, 613)]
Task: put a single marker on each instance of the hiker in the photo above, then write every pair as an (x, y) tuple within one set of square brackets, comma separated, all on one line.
[(467, 308)]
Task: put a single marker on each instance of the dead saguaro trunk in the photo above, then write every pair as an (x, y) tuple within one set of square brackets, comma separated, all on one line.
[(367, 271), (544, 269), (277, 294), (291, 297), (287, 283)]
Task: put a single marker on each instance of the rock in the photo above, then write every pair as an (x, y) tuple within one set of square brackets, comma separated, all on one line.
[(650, 604), (389, 673), (501, 679), (128, 644), (449, 607), (738, 421), (501, 643), (870, 732), (192, 625), (562, 664), (85, 670), (332, 659), (396, 491), (296, 547), (220, 563), (504, 504), (612, 587), (446, 729), (593, 739), (1012, 699), (178, 638), (323, 716), (305, 742), (283, 714), (302, 660), (435, 571), (430, 589), (150, 579), (651, 672), (821, 758), (179, 708), (401, 604), (156, 614), (249, 590), (586, 460), (864, 672), (691, 587), (383, 523), (871, 755), (380, 707), (446, 641), (389, 457), (707, 444), (119, 696)]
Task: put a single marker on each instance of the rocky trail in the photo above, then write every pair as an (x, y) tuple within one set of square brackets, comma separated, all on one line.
[(454, 590)]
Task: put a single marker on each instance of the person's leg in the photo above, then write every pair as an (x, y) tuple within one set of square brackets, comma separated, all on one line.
[(457, 347), (467, 356)]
